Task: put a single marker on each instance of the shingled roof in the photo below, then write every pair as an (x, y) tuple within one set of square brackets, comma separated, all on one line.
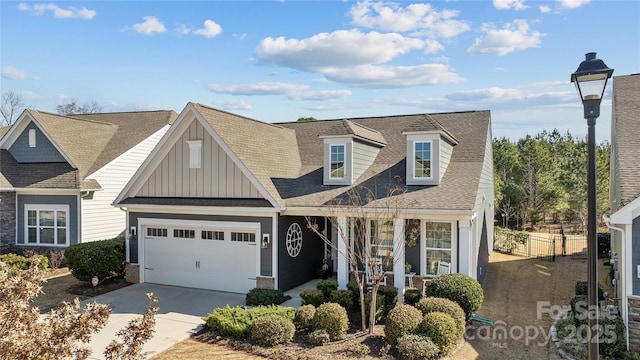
[(287, 158), (625, 135), (90, 141)]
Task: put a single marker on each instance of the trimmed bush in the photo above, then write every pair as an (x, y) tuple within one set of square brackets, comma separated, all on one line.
[(389, 295), (416, 347), (272, 329), (332, 318), (265, 297), (433, 304), (579, 306), (342, 297), (304, 317), (236, 321), (19, 262), (104, 259), (313, 297), (610, 347), (460, 288), (379, 306), (318, 338), (412, 296), (582, 288), (327, 286), (441, 329), (402, 320), (355, 291)]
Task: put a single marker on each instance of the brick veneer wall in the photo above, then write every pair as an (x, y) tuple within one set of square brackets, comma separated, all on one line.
[(634, 324), (7, 220)]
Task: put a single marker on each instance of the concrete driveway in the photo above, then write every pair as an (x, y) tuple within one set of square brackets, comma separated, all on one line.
[(180, 314)]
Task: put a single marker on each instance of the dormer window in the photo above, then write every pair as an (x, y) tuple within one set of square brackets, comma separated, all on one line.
[(423, 160), (337, 161)]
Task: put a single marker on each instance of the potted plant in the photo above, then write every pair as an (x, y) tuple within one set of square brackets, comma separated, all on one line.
[(407, 268)]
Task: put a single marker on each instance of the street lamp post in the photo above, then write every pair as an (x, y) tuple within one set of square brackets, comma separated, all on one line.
[(590, 80)]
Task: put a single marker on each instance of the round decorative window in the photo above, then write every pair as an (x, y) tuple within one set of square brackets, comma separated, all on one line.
[(294, 240)]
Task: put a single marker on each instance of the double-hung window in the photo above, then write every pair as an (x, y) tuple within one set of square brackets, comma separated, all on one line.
[(337, 161), (382, 242), (438, 237), (422, 152), (47, 224)]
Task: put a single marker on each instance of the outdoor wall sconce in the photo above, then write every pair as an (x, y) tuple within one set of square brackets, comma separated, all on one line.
[(265, 241)]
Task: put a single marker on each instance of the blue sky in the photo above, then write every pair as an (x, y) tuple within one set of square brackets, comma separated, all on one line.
[(279, 60)]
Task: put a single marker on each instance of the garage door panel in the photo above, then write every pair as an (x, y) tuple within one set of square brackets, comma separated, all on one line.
[(207, 264)]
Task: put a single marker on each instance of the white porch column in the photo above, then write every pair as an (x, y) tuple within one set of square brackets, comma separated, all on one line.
[(398, 265), (343, 263), (465, 249)]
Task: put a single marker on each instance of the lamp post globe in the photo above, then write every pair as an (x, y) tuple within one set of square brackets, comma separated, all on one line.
[(591, 80)]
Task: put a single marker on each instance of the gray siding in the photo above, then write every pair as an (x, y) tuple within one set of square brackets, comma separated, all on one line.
[(72, 221), (218, 177), (294, 271), (635, 255), (44, 151), (445, 157), (265, 228), (363, 157)]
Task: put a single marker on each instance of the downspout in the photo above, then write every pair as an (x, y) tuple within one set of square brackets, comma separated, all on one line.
[(607, 222)]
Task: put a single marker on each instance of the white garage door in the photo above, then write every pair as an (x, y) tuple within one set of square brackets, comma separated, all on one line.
[(212, 257)]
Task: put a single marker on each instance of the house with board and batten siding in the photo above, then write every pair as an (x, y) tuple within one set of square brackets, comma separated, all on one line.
[(60, 174), (222, 201)]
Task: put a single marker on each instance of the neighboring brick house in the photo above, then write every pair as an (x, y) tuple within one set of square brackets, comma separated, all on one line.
[(221, 202), (624, 199), (60, 174)]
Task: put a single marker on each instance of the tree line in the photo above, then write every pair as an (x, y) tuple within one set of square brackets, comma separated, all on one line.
[(543, 178)]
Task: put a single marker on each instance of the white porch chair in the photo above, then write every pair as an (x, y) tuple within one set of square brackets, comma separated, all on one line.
[(377, 265), (443, 268)]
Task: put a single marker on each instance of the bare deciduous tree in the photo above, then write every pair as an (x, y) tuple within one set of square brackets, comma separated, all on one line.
[(368, 241), (11, 107), (73, 107), (64, 332)]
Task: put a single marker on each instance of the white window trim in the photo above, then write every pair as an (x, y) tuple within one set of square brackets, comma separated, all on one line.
[(424, 248), (195, 154), (344, 161), (45, 207), (413, 159)]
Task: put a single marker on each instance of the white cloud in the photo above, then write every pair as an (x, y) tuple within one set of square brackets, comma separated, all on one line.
[(432, 47), (13, 73), (211, 29), (572, 4), (262, 88), (233, 104), (507, 98), (369, 76), (390, 16), (58, 12), (509, 4), (150, 25), (512, 37), (544, 9), (319, 95), (342, 48)]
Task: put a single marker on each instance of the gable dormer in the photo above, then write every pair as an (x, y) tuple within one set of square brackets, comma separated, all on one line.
[(349, 150), (428, 155)]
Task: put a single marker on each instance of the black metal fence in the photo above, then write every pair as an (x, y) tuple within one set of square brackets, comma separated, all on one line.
[(541, 246)]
